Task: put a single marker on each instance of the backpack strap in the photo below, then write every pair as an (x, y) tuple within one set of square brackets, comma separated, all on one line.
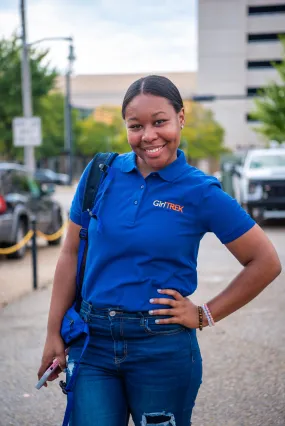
[(97, 173)]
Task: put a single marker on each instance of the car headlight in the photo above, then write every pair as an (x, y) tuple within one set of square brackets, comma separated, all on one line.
[(252, 187), (255, 191)]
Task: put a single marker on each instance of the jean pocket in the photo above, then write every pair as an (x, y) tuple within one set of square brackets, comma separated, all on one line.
[(151, 327)]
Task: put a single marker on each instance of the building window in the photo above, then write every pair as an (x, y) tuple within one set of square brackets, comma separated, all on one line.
[(250, 119), (251, 38), (253, 91), (262, 64), (260, 10)]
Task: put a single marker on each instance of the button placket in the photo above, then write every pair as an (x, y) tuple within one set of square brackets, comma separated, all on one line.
[(137, 199)]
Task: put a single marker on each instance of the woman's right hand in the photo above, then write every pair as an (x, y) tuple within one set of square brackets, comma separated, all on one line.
[(54, 348)]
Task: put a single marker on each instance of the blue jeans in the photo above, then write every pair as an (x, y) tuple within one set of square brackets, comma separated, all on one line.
[(134, 366)]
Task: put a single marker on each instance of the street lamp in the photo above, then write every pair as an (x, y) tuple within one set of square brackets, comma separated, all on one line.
[(68, 139), (27, 93), (68, 113), (29, 156)]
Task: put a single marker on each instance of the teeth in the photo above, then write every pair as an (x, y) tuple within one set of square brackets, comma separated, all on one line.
[(154, 150)]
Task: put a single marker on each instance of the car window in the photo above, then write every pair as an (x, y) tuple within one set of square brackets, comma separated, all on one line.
[(262, 161), (6, 182)]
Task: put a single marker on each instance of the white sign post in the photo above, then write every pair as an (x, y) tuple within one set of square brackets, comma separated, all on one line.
[(27, 131)]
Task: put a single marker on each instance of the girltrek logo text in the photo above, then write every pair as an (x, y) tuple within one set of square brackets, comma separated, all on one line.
[(168, 205)]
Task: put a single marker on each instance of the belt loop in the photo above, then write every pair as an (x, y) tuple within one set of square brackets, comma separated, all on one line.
[(89, 311), (89, 307), (142, 320), (86, 310)]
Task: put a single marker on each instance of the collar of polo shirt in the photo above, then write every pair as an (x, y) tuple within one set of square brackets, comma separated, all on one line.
[(168, 173)]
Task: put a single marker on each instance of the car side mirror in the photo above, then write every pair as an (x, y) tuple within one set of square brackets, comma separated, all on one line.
[(236, 170)]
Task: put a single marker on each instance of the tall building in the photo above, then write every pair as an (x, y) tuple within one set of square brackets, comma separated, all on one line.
[(238, 40)]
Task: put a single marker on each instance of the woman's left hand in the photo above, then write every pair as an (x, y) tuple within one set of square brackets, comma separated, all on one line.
[(182, 310)]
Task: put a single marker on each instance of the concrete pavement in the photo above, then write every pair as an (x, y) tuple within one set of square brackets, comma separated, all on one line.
[(244, 355), (16, 275)]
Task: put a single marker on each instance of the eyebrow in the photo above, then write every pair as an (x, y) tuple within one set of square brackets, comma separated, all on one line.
[(159, 112), (153, 115)]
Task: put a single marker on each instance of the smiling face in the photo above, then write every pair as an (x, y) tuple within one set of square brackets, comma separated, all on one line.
[(153, 128)]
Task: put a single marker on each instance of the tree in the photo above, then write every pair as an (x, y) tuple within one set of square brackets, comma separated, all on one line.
[(51, 111), (270, 106), (43, 79), (103, 131), (202, 136), (120, 142), (94, 137)]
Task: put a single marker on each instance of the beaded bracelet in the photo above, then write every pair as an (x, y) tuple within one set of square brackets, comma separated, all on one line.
[(208, 315), (200, 316)]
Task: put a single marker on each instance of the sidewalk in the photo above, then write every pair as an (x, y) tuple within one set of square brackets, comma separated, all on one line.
[(244, 367), (17, 275)]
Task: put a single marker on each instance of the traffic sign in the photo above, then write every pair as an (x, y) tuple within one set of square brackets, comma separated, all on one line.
[(27, 131)]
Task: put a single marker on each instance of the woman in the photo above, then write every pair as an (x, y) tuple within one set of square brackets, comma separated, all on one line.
[(143, 358)]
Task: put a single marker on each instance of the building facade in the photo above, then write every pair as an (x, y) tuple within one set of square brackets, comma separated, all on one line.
[(238, 40), (91, 91)]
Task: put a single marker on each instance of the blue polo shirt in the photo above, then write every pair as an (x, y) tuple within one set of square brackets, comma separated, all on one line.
[(149, 229)]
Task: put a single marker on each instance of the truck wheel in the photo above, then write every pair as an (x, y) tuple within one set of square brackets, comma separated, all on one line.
[(56, 225), (20, 233)]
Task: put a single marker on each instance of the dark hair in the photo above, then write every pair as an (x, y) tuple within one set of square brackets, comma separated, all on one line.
[(155, 85)]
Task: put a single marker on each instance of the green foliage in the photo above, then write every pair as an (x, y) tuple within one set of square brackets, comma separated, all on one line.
[(120, 142), (10, 88), (94, 137), (106, 135), (51, 111), (202, 136), (270, 106)]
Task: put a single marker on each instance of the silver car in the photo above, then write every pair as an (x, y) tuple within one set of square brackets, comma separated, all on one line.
[(21, 198)]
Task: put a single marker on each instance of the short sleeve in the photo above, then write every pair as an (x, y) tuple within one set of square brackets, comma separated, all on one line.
[(222, 215), (76, 205)]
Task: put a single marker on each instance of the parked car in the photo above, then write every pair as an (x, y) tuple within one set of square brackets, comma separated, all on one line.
[(21, 198), (49, 176), (259, 183)]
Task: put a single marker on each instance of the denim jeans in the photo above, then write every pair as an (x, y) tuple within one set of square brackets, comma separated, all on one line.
[(134, 366)]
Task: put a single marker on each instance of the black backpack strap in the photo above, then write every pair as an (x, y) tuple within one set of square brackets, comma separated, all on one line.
[(97, 172)]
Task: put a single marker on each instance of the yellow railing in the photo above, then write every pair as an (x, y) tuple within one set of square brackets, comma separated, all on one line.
[(29, 235), (55, 236)]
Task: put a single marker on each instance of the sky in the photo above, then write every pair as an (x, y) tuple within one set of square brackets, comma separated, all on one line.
[(111, 36)]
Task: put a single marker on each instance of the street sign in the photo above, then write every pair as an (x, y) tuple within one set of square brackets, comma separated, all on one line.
[(27, 131)]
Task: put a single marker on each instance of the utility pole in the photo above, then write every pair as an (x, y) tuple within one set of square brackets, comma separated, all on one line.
[(29, 157), (68, 113)]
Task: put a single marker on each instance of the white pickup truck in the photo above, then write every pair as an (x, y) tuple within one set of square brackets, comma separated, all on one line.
[(259, 184)]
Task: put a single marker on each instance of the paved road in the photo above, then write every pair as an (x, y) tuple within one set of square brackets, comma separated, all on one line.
[(244, 356)]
